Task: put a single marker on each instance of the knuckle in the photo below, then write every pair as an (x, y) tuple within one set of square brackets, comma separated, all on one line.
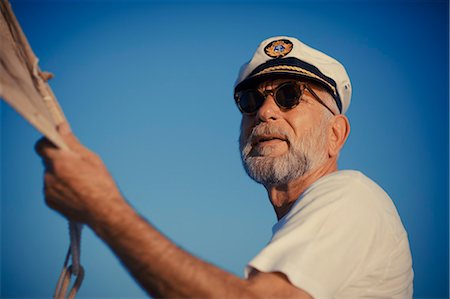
[(96, 158), (94, 155), (92, 158)]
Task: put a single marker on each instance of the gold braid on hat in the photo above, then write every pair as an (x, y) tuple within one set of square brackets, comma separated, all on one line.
[(294, 70)]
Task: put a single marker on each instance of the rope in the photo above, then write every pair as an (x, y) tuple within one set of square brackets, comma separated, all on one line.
[(73, 270), (75, 242)]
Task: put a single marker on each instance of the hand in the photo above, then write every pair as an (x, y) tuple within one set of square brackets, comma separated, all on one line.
[(76, 182)]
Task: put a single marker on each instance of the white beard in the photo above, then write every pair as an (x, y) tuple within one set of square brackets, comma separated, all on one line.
[(302, 156)]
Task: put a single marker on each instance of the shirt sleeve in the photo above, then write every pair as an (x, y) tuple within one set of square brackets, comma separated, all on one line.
[(324, 244)]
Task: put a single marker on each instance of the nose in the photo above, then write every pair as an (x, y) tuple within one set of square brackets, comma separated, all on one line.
[(269, 111)]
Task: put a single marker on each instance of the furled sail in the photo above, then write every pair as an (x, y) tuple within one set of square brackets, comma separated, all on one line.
[(24, 86)]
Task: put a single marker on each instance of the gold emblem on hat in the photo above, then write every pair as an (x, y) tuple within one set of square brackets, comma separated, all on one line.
[(278, 48)]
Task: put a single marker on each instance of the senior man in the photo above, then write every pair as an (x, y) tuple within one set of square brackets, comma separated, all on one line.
[(338, 233)]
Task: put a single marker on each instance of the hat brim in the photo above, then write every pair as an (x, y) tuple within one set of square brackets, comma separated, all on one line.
[(289, 68), (255, 80)]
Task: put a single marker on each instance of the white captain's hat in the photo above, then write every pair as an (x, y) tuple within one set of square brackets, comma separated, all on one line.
[(283, 56)]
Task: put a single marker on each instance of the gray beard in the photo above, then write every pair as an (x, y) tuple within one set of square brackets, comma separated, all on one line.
[(301, 157)]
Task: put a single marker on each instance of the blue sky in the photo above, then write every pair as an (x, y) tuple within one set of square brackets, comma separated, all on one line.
[(148, 86)]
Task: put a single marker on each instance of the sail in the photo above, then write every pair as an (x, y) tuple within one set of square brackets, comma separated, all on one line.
[(22, 84)]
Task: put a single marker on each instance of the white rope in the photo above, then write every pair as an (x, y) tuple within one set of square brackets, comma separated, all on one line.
[(73, 270), (75, 244)]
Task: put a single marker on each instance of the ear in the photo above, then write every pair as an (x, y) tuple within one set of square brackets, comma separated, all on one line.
[(339, 131)]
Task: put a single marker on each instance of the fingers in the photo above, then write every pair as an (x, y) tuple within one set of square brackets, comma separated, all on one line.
[(49, 193), (55, 191), (70, 139), (50, 154), (47, 149), (55, 158), (44, 148)]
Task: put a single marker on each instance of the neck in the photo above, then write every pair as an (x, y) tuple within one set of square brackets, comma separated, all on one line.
[(284, 196)]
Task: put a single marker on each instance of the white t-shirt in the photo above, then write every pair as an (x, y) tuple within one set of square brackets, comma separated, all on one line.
[(343, 238)]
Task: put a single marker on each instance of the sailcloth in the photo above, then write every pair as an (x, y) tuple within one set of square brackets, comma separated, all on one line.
[(24, 86)]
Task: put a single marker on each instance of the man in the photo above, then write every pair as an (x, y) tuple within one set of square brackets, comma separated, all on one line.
[(338, 234)]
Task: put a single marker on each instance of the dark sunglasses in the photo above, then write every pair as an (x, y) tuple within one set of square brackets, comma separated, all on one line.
[(286, 95)]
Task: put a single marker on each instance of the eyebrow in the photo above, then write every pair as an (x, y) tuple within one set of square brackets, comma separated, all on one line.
[(272, 84)]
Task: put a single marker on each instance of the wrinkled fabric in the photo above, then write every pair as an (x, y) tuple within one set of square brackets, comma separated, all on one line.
[(21, 85)]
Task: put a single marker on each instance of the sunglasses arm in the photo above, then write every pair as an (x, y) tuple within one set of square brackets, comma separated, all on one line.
[(319, 99)]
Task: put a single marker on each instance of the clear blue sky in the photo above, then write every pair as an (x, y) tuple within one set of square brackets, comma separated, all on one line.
[(148, 86)]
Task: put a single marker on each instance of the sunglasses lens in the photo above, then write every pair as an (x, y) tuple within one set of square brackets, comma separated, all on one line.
[(288, 96), (250, 101)]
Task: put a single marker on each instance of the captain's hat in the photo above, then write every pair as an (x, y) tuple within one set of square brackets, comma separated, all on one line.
[(283, 56)]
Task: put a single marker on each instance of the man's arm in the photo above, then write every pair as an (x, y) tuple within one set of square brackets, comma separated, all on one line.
[(78, 185), (165, 270)]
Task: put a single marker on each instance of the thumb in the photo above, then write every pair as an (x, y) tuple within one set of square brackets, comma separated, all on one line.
[(69, 138), (64, 128)]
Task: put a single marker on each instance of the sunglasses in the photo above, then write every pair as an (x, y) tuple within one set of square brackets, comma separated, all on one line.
[(287, 96)]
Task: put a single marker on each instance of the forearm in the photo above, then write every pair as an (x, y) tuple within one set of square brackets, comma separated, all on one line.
[(162, 268), (78, 185)]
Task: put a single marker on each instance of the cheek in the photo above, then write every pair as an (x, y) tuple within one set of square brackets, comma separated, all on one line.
[(246, 129), (299, 125)]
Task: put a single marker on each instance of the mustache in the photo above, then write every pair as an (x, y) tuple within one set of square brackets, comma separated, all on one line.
[(264, 130)]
